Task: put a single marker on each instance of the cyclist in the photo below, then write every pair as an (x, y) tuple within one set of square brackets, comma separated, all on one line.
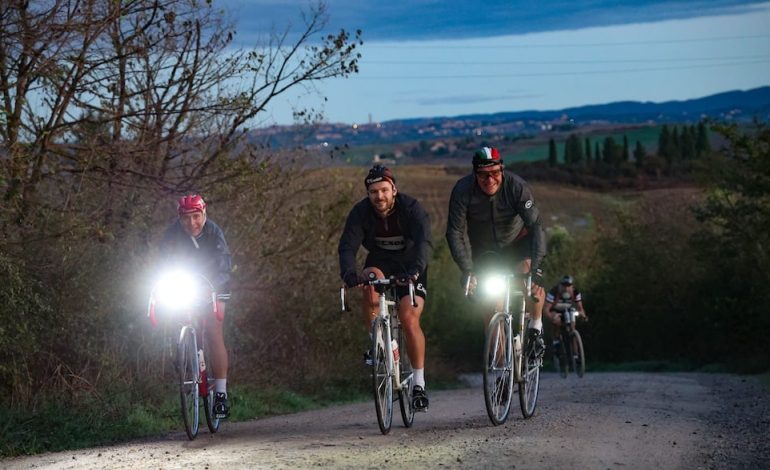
[(494, 210), (395, 230), (195, 241), (559, 298)]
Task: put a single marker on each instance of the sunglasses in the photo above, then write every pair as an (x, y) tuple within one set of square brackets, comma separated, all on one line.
[(488, 174)]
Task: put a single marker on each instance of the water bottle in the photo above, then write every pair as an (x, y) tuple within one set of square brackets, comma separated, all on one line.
[(396, 354), (201, 361)]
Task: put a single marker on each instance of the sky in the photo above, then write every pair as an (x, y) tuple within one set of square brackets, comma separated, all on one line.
[(430, 58)]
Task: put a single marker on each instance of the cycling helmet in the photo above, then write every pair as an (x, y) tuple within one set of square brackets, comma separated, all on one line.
[(191, 203), (486, 156), (566, 280), (379, 173)]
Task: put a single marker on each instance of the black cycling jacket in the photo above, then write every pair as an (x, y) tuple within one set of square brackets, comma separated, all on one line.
[(478, 223), (207, 254), (360, 230)]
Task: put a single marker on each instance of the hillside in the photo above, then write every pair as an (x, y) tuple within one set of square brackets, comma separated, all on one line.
[(733, 106)]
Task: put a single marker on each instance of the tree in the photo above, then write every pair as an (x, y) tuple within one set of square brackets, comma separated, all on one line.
[(588, 151), (702, 145), (552, 156), (624, 157), (573, 150), (159, 80), (639, 154)]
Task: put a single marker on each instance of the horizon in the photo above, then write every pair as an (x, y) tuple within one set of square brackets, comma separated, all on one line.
[(564, 56)]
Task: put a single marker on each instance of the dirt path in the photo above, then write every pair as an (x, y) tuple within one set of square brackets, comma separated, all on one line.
[(611, 420)]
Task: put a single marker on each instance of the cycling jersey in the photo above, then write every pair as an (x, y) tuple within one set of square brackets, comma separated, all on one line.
[(553, 297), (207, 253), (506, 222), (402, 237)]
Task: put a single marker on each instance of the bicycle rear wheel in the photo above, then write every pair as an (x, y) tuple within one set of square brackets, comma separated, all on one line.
[(407, 381), (529, 387), (498, 369), (565, 355), (382, 381), (187, 367), (578, 355), (208, 400)]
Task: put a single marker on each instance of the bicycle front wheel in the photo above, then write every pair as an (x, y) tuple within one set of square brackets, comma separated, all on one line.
[(187, 367), (578, 355), (498, 369), (407, 381), (382, 380), (529, 386)]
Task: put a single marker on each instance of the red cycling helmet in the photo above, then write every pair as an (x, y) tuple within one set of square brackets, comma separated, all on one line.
[(191, 203)]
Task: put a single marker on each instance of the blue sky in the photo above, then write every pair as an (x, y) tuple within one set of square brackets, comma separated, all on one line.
[(425, 58)]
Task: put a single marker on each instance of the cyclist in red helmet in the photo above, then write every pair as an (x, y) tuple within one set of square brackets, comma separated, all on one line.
[(494, 211), (395, 230), (198, 242)]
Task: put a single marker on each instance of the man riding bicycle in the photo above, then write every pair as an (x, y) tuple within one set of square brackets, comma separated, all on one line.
[(198, 243), (395, 230), (556, 302), (493, 210)]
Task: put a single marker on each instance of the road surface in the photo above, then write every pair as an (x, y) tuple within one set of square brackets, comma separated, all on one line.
[(602, 421)]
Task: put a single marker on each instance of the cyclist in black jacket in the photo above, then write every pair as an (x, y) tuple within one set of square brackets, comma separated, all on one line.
[(395, 230), (195, 241), (493, 210)]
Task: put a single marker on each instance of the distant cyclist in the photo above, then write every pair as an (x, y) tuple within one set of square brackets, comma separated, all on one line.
[(395, 230), (196, 242), (492, 210), (561, 297)]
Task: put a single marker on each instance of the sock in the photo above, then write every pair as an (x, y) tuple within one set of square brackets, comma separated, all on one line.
[(220, 386), (536, 324), (419, 377)]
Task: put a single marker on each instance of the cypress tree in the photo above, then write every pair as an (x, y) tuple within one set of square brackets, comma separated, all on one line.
[(702, 145), (639, 154), (588, 151), (626, 155), (551, 152)]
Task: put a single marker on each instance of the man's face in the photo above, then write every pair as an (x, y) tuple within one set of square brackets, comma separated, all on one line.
[(193, 222), (382, 195), (489, 178)]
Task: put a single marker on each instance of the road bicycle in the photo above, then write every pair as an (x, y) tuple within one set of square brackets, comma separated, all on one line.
[(570, 353), (391, 367), (509, 356), (185, 300)]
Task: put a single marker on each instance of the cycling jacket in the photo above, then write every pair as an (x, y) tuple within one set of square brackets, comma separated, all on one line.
[(413, 223), (206, 254), (478, 223)]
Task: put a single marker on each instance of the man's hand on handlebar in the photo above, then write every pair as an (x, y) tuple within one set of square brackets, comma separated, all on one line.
[(353, 279), (404, 279)]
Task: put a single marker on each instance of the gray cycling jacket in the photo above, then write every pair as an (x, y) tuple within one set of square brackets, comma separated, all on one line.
[(478, 223)]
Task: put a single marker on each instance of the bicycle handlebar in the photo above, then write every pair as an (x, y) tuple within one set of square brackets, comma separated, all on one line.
[(379, 282)]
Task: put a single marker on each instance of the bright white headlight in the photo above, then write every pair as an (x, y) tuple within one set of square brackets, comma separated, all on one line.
[(175, 290), (494, 285)]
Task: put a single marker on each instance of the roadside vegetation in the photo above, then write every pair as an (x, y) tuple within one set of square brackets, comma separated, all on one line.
[(673, 277)]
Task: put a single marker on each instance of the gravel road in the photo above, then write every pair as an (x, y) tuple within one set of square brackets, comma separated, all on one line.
[(602, 421)]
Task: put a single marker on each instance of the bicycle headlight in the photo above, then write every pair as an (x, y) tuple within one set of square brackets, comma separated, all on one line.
[(493, 286), (176, 290)]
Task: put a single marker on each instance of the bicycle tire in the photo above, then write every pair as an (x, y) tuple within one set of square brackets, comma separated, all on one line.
[(498, 369), (565, 354), (578, 354), (407, 375), (529, 386), (187, 367), (382, 380), (208, 401)]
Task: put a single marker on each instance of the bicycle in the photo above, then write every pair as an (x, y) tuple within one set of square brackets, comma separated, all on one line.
[(391, 367), (182, 298), (508, 355), (570, 354)]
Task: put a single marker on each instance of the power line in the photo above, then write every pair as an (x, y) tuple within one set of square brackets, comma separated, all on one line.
[(560, 62), (413, 46), (560, 73)]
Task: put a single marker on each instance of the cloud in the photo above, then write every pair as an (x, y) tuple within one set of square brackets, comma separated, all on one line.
[(401, 20)]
